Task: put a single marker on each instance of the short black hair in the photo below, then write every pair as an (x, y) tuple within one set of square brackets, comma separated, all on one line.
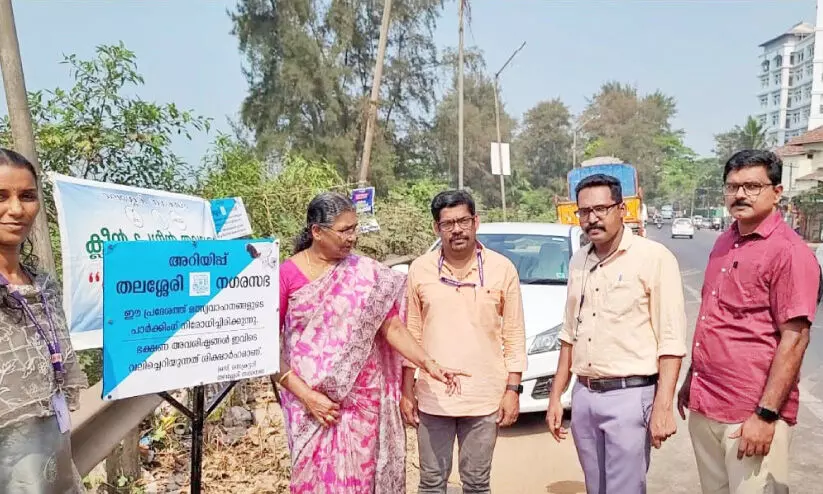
[(601, 180), (748, 158), (451, 199)]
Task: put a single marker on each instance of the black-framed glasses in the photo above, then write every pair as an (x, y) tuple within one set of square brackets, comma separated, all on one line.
[(751, 189), (448, 225), (599, 211)]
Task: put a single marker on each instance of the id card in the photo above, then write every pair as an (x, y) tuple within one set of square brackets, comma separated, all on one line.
[(61, 411)]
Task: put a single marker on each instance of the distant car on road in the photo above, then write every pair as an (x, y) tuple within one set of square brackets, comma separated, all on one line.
[(706, 223), (717, 223), (682, 227), (541, 253), (697, 221)]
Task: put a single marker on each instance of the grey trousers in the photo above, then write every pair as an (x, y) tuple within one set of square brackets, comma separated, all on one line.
[(476, 437), (611, 433)]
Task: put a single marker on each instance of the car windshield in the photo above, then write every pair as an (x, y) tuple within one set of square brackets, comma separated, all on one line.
[(682, 222), (539, 259)]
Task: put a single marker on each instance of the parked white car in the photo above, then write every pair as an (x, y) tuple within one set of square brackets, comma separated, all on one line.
[(682, 227), (541, 253)]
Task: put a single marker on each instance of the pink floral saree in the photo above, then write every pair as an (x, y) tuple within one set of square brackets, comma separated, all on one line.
[(332, 340)]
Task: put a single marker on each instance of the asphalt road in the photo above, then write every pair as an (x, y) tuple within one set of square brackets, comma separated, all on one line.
[(527, 459)]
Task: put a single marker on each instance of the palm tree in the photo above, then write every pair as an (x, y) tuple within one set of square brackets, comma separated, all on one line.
[(752, 135)]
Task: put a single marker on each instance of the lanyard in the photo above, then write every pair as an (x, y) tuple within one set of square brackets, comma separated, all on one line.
[(460, 284), (53, 343)]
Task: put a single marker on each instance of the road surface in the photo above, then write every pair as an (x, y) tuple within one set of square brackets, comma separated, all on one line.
[(527, 460)]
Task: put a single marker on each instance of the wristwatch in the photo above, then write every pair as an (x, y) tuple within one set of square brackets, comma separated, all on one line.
[(517, 388), (766, 414)]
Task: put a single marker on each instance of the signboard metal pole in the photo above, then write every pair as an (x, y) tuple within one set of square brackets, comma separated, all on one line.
[(198, 416)]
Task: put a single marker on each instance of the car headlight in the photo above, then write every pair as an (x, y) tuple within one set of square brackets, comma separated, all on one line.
[(547, 341)]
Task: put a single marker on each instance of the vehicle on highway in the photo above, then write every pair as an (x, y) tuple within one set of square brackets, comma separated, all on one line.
[(706, 223), (636, 212), (667, 212), (682, 227), (697, 221), (541, 253), (717, 223)]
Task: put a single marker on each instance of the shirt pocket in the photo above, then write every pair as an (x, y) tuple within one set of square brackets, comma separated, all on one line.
[(741, 289), (490, 302), (619, 298)]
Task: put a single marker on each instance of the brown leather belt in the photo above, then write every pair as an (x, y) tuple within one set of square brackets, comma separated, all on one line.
[(604, 384)]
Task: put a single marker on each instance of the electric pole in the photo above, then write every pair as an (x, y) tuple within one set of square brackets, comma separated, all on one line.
[(22, 131), (371, 121), (460, 96), (497, 122)]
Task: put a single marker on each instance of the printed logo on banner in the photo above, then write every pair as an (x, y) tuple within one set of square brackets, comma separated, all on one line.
[(200, 284), (188, 314)]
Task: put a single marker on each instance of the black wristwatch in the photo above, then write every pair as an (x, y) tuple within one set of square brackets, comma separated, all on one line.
[(517, 388), (766, 414)]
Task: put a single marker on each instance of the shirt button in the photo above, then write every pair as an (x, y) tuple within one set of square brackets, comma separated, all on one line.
[(702, 318), (590, 364), (736, 245), (722, 270), (696, 345), (714, 292), (693, 374), (590, 339), (594, 314)]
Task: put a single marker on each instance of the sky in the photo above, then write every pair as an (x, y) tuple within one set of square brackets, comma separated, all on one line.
[(701, 52)]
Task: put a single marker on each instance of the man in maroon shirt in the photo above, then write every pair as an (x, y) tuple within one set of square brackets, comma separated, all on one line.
[(759, 300)]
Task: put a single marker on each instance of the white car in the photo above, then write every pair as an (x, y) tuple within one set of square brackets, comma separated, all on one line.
[(682, 227), (541, 253)]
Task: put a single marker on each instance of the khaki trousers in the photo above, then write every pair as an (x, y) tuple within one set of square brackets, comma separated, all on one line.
[(720, 470)]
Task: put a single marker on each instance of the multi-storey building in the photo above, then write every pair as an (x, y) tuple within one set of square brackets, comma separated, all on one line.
[(791, 84)]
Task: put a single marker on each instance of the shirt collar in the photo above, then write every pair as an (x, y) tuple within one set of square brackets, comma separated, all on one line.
[(626, 241), (764, 229)]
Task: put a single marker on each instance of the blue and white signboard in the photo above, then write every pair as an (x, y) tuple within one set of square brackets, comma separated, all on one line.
[(90, 213), (188, 313), (230, 218), (363, 200)]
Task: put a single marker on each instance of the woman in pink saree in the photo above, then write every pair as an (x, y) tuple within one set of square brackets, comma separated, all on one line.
[(343, 340)]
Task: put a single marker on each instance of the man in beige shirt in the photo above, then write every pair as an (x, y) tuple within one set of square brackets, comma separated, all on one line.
[(624, 336), (465, 309)]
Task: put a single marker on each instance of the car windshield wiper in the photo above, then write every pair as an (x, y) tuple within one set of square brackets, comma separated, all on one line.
[(545, 281)]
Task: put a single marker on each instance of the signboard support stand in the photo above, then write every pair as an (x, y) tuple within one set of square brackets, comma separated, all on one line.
[(198, 417)]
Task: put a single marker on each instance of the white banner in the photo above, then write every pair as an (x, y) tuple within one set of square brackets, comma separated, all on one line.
[(90, 213)]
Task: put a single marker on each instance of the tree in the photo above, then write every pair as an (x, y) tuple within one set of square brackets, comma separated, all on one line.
[(479, 129), (543, 145), (620, 122), (309, 68), (751, 136), (94, 131)]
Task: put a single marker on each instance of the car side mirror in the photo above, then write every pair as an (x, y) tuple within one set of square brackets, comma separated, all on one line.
[(403, 268)]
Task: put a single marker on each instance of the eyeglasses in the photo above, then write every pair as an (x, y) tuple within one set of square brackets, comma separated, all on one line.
[(463, 223), (347, 233), (751, 189), (599, 211)]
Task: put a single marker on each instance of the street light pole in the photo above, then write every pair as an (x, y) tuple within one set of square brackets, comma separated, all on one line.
[(460, 96), (497, 122)]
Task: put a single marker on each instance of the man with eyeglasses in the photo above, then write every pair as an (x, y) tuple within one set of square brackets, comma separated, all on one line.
[(760, 295), (623, 335), (465, 309)]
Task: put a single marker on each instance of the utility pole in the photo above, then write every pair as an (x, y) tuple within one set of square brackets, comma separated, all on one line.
[(460, 96), (497, 121), (371, 121), (22, 131)]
